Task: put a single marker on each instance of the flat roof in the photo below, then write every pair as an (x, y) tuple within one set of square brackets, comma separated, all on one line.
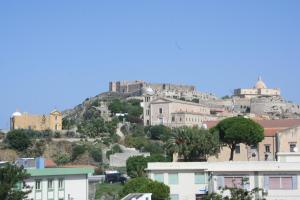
[(229, 166), (59, 171)]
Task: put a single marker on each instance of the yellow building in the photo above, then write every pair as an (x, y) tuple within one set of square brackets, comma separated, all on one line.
[(53, 121)]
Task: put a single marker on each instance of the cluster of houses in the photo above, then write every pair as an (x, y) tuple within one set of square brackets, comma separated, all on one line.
[(272, 165)]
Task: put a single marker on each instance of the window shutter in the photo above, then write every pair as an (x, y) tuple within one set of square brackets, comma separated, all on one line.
[(266, 183), (295, 182), (220, 183)]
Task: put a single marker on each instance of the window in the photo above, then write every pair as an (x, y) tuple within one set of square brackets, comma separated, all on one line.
[(238, 149), (200, 178), (267, 148), (292, 146), (282, 183), (60, 183), (148, 112), (38, 184), (50, 184), (173, 179), (55, 126), (160, 110), (55, 118), (148, 122), (232, 182), (159, 177), (173, 118), (161, 120), (174, 197)]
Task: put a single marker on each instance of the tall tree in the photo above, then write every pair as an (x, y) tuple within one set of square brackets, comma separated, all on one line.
[(10, 177), (193, 143), (236, 130)]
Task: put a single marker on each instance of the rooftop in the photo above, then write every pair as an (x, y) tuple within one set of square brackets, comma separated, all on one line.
[(237, 166), (270, 126), (59, 171)]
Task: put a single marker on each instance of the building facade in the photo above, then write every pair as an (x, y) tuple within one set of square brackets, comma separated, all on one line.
[(58, 183), (194, 180), (260, 89), (174, 113), (53, 121)]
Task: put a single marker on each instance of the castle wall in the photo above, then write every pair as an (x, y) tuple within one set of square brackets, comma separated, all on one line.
[(37, 122)]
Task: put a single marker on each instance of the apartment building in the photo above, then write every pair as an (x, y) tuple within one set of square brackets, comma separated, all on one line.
[(55, 183), (194, 180)]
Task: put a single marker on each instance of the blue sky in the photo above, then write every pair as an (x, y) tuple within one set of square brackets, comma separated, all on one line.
[(57, 53)]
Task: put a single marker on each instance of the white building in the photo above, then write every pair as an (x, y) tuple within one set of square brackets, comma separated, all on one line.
[(58, 183), (193, 180)]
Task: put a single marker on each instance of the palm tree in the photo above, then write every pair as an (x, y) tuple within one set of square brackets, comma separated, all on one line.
[(193, 143)]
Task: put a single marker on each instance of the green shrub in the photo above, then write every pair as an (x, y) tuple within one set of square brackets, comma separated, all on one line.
[(144, 185), (96, 154), (77, 151), (18, 139), (62, 158)]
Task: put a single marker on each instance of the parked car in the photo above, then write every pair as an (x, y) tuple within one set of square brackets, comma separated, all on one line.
[(114, 177)]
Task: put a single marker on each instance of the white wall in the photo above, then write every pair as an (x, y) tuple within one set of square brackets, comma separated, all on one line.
[(75, 185), (186, 187)]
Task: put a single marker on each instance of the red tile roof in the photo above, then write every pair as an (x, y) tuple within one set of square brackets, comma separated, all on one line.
[(278, 123), (49, 163)]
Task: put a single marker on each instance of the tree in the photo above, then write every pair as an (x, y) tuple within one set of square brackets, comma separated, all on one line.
[(116, 106), (160, 132), (67, 124), (136, 165), (159, 191), (18, 139), (193, 143), (236, 130), (12, 176)]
